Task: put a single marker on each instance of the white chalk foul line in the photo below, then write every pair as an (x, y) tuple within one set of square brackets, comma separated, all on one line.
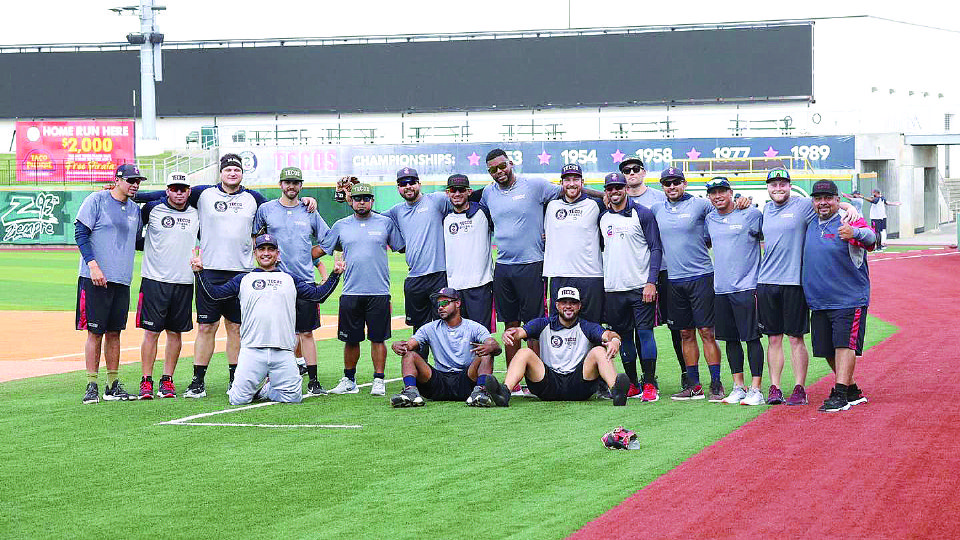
[(900, 258), (328, 426)]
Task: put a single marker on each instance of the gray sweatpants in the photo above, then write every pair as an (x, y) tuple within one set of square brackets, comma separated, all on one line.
[(255, 363)]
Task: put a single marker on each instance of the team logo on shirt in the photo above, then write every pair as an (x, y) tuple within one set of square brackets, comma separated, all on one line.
[(609, 230), (167, 222), (259, 284), (561, 214), (220, 206), (453, 228), (556, 342)]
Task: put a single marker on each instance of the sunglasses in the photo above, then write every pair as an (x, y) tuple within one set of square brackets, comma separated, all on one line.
[(445, 303), (495, 168), (457, 189), (132, 180), (178, 189), (672, 182), (362, 198), (615, 187), (632, 169), (405, 183)]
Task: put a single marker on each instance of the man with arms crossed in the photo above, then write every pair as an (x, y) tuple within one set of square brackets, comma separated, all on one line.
[(170, 228), (467, 237), (106, 235), (463, 352)]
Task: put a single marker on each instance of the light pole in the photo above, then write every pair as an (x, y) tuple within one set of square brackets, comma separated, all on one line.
[(151, 68)]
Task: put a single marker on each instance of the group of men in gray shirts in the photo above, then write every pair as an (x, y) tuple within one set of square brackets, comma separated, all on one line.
[(630, 257)]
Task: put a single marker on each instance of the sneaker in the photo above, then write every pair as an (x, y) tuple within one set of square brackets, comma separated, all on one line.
[(835, 403), (479, 397), (754, 397), (197, 389), (619, 390), (603, 391), (345, 386), (854, 395), (314, 388), (146, 389), (519, 390), (736, 395), (302, 366), (716, 392), (378, 388), (650, 393), (498, 392), (634, 391), (167, 389), (691, 392), (116, 392), (92, 395), (798, 397), (775, 396), (410, 397), (685, 381)]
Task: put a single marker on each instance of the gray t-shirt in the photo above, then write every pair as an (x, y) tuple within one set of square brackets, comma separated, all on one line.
[(736, 249), (682, 232), (784, 227), (561, 349), (467, 236), (113, 225), (296, 230), (364, 243), (226, 220), (169, 236), (650, 197), (572, 246), (517, 214), (421, 224), (451, 344)]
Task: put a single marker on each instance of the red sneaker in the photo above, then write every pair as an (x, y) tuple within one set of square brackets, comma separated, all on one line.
[(167, 390), (650, 393), (634, 391), (146, 389)]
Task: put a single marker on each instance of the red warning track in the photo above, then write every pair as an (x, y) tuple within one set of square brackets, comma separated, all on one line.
[(886, 469)]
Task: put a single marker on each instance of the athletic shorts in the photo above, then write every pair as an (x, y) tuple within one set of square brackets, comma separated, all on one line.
[(878, 225), (447, 386), (476, 304), (663, 298), (691, 303), (102, 309), (356, 311), (832, 329), (165, 306), (591, 295), (736, 316), (419, 308), (564, 386), (626, 310), (210, 310), (783, 310), (519, 291), (308, 316)]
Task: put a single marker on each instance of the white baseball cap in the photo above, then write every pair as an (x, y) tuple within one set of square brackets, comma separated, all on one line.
[(177, 179), (568, 293)]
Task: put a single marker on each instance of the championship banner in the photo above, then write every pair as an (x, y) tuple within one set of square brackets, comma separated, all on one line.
[(73, 150)]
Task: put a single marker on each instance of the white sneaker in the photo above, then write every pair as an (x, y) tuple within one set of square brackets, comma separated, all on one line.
[(378, 388), (345, 386), (736, 395), (754, 397)]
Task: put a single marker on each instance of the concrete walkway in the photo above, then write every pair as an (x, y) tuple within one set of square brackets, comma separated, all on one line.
[(946, 235)]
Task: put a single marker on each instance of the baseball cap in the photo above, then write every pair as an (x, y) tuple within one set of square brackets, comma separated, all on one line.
[(778, 174), (265, 240), (571, 168), (361, 189), (568, 293), (291, 173), (407, 172), (129, 171), (824, 187), (672, 172), (177, 179), (448, 292), (458, 180), (856, 192), (717, 182), (631, 159), (614, 179), (230, 160)]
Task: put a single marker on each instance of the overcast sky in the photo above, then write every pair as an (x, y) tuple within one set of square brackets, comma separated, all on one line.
[(90, 21)]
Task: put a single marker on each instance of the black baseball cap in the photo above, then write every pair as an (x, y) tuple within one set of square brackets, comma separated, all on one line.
[(447, 292), (778, 174), (458, 180), (129, 171), (614, 179), (672, 172), (407, 172), (265, 240), (631, 159), (718, 182), (571, 168), (824, 187)]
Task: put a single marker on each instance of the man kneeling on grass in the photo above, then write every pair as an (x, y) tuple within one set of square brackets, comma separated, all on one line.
[(463, 352), (574, 355)]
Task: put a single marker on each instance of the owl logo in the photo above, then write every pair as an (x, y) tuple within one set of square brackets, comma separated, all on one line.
[(259, 284), (220, 206), (167, 222), (561, 214)]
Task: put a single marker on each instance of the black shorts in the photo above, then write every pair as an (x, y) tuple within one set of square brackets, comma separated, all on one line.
[(564, 386), (591, 295), (102, 309), (878, 225), (447, 386), (626, 310), (663, 299), (832, 329), (736, 316), (691, 303), (419, 308), (165, 306), (358, 311), (519, 291), (209, 310), (476, 304), (783, 310), (308, 316)]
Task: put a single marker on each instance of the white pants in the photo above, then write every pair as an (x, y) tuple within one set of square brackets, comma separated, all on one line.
[(255, 363)]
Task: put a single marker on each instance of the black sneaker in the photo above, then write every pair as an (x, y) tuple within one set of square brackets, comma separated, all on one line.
[(197, 389), (479, 397), (717, 393), (409, 397), (603, 391), (116, 392), (619, 391), (314, 388), (93, 393), (302, 368), (685, 381), (854, 395), (835, 403), (499, 392)]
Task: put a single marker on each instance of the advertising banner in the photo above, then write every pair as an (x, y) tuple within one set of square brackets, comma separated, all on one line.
[(73, 150)]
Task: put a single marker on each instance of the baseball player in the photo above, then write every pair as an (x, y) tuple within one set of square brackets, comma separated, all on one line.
[(878, 215), (268, 298), (297, 230), (467, 237), (463, 352), (106, 235), (170, 228)]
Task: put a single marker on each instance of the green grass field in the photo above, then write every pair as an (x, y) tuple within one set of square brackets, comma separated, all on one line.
[(534, 470)]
